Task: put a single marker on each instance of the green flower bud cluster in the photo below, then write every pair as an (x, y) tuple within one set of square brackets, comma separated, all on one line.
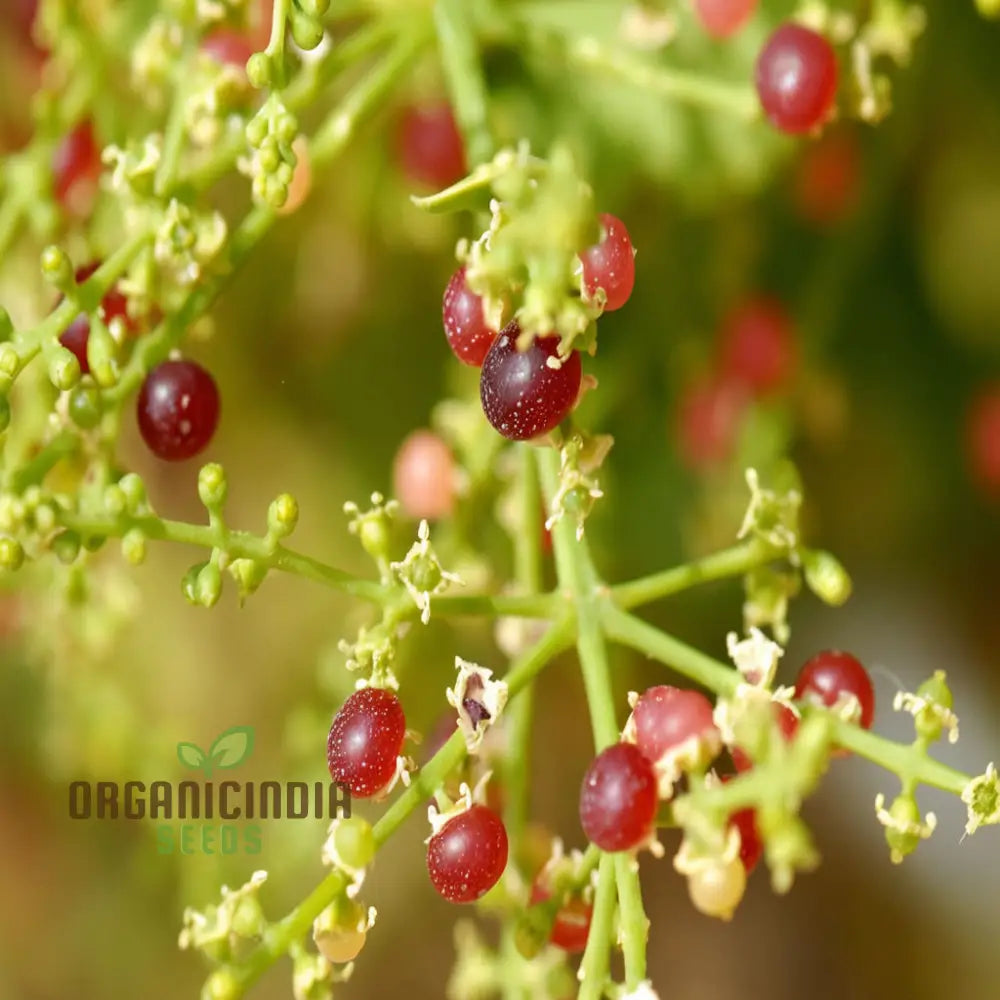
[(188, 241), (222, 931), (271, 164)]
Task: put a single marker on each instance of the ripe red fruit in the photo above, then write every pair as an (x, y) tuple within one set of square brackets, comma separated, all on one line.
[(796, 77), (423, 476), (832, 675), (666, 721), (430, 147), (468, 334), (76, 168), (828, 177), (723, 18), (618, 798), (114, 305), (758, 346), (788, 725), (522, 395), (610, 264), (228, 47), (572, 923), (708, 421), (177, 410), (983, 440), (467, 856), (366, 737), (751, 845)]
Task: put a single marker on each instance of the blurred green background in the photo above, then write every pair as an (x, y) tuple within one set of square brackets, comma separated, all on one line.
[(328, 351)]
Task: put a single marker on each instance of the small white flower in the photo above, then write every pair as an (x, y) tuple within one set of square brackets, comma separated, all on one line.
[(772, 516), (478, 699), (904, 826), (644, 991), (467, 798), (421, 573), (756, 657), (982, 796), (906, 701)]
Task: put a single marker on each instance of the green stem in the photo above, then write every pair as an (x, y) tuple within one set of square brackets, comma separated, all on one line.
[(675, 84), (696, 666), (595, 964), (729, 562), (464, 75), (297, 923), (35, 470), (632, 918), (175, 133)]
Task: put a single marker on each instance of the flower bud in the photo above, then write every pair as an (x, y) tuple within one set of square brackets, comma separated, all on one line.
[(66, 546), (212, 486), (64, 368), (826, 577), (134, 546), (282, 516), (11, 553)]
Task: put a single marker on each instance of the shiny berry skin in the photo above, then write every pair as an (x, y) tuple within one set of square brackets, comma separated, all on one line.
[(723, 18), (829, 676), (708, 421), (572, 923), (430, 146), (76, 167), (468, 334), (467, 856), (758, 347), (788, 725), (522, 395), (796, 77), (423, 476), (983, 440), (114, 305), (666, 717), (618, 798), (366, 738), (610, 264), (177, 410)]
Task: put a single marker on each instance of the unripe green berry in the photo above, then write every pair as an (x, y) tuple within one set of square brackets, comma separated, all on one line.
[(66, 546), (85, 407), (282, 516), (64, 369), (906, 812), (354, 842), (208, 586), (4, 413), (425, 574), (930, 723), (57, 268), (260, 73), (134, 488), (45, 518), (134, 546), (307, 31), (373, 533), (221, 985), (315, 8), (115, 502), (212, 486), (826, 577), (11, 553), (10, 365)]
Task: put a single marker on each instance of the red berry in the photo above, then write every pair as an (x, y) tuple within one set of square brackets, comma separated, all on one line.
[(76, 167), (758, 346), (618, 798), (423, 476), (827, 179), (522, 395), (610, 264), (467, 856), (723, 18), (832, 675), (431, 151), (228, 47), (572, 923), (365, 740), (983, 440), (796, 78), (114, 305), (178, 410), (468, 334), (788, 724), (666, 721), (751, 846), (708, 421)]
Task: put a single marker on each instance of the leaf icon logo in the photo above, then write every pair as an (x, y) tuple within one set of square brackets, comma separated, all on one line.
[(230, 748)]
